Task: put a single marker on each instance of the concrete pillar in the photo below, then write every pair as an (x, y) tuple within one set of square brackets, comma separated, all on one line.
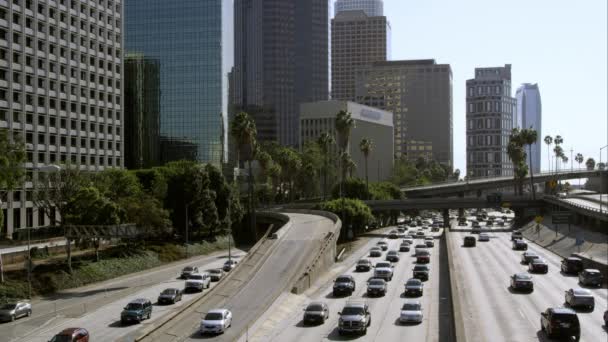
[(446, 218), (460, 212)]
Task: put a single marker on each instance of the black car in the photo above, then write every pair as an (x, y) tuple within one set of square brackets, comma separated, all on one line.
[(560, 322), (393, 234), (520, 245), (316, 312), (392, 256), (363, 265), (538, 265), (516, 236), (590, 277), (170, 296), (522, 281), (421, 272), (404, 247), (344, 284), (470, 241), (572, 265)]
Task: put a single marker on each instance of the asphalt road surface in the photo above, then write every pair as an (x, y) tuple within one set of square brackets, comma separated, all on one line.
[(384, 310), (97, 308), (493, 312)]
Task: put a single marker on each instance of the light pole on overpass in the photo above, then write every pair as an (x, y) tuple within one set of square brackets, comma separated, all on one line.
[(601, 181)]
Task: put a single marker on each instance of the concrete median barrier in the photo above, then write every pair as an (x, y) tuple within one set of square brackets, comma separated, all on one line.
[(456, 291)]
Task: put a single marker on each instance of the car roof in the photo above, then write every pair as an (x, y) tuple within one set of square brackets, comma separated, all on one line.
[(70, 331), (139, 301), (222, 311), (581, 292), (317, 303), (345, 276), (573, 259), (539, 261), (522, 275), (591, 270), (563, 311)]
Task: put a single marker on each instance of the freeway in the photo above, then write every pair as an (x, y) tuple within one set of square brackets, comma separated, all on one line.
[(384, 310), (97, 307), (493, 312)]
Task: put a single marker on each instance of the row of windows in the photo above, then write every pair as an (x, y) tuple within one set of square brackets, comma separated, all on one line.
[(40, 101), (486, 140), (76, 6), (42, 120), (491, 106), (488, 157)]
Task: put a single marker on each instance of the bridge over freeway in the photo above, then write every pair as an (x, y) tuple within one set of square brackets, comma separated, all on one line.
[(457, 188)]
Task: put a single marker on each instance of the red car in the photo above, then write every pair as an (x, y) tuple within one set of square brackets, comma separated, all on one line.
[(72, 335)]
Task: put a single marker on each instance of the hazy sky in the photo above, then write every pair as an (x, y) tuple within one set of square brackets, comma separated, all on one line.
[(559, 44)]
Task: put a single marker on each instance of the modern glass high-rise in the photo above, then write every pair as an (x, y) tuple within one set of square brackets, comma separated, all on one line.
[(529, 115), (373, 8), (191, 41), (280, 61), (490, 110)]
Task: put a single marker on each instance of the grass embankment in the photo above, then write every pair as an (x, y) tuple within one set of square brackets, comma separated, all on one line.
[(115, 262)]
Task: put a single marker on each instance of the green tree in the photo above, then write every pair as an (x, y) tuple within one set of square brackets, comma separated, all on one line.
[(559, 153), (265, 161), (579, 159), (517, 154), (548, 140), (244, 132), (117, 184), (348, 165), (325, 142), (344, 124), (12, 157), (312, 164), (291, 164), (366, 148), (352, 212), (528, 138), (351, 188), (590, 163), (88, 206)]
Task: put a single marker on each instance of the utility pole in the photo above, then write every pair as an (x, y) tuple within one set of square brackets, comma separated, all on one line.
[(571, 160), (187, 231)]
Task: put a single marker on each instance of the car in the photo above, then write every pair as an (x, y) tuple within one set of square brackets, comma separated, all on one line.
[(354, 317), (382, 244), (229, 265), (411, 312), (500, 223), (420, 235), (572, 265), (408, 240), (520, 245), (484, 237), (423, 256), (421, 246), (376, 287), (198, 282), (522, 281), (462, 221), (606, 318), (72, 335), (383, 270), (136, 311), (528, 256), (470, 241), (590, 277), (538, 265), (344, 284), (421, 272), (316, 312), (170, 296), (429, 242), (414, 287), (187, 271), (476, 224), (516, 235), (363, 265), (560, 322), (404, 247), (579, 298), (216, 321), (476, 230), (393, 234), (216, 274), (13, 311), (375, 252), (392, 256)]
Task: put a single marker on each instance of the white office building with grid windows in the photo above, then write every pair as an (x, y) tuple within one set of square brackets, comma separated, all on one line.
[(60, 88)]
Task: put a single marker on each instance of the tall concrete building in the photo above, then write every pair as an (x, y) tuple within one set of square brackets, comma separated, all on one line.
[(192, 42), (419, 94), (61, 90), (490, 110), (280, 61), (320, 117), (373, 8), (529, 115), (357, 40)]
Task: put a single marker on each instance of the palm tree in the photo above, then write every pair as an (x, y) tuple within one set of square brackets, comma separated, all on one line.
[(366, 147), (579, 159), (529, 137), (344, 124), (325, 141), (348, 165), (559, 152), (548, 141), (265, 161), (590, 163)]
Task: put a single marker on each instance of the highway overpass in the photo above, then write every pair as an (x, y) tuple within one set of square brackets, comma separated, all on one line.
[(452, 203)]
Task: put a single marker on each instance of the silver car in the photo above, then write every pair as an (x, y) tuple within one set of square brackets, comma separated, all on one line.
[(216, 322), (580, 298), (12, 311), (411, 312)]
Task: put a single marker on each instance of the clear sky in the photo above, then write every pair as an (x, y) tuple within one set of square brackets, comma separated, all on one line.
[(559, 44)]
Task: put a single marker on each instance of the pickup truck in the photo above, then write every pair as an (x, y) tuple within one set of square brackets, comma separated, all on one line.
[(198, 282), (354, 317)]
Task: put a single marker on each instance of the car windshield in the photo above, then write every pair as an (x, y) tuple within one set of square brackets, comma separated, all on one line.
[(214, 316), (134, 306), (352, 310), (413, 282), (392, 253), (593, 274), (169, 291), (411, 307), (538, 261), (343, 280), (522, 276), (421, 268), (376, 282), (188, 269), (62, 338), (383, 264), (566, 318), (8, 306), (314, 307), (196, 277), (214, 271), (363, 262)]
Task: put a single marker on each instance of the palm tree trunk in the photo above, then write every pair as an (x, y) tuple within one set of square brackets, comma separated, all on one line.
[(366, 178), (531, 173)]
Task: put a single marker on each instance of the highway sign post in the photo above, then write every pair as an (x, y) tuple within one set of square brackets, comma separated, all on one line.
[(579, 241), (558, 217)]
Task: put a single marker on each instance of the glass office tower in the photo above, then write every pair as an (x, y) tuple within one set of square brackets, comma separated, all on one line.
[(188, 39)]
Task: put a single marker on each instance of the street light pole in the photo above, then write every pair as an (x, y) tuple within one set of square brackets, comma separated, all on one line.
[(601, 181), (187, 231)]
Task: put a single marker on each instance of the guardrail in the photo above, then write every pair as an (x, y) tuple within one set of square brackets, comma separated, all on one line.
[(595, 212)]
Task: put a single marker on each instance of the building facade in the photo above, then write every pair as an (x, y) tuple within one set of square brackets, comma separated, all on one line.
[(490, 110), (280, 61), (529, 115), (61, 90), (419, 94), (373, 8), (142, 112), (191, 41), (319, 117), (357, 40)]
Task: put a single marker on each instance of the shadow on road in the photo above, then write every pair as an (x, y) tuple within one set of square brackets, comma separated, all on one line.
[(542, 337), (118, 324), (519, 292), (68, 295), (334, 335)]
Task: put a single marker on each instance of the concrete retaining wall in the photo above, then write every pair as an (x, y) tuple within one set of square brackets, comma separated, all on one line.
[(455, 290)]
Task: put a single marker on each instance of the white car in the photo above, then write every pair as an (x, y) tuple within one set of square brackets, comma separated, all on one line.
[(216, 321), (411, 312), (198, 282), (484, 237)]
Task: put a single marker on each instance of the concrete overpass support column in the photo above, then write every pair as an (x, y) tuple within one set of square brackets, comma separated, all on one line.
[(461, 212), (446, 218), (604, 182)]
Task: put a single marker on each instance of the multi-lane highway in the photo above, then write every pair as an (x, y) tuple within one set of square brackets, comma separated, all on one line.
[(494, 312), (97, 308), (384, 310)]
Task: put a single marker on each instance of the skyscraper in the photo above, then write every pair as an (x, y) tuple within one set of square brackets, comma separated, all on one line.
[(191, 41), (280, 61), (61, 90), (419, 94), (529, 114), (490, 110), (373, 8)]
